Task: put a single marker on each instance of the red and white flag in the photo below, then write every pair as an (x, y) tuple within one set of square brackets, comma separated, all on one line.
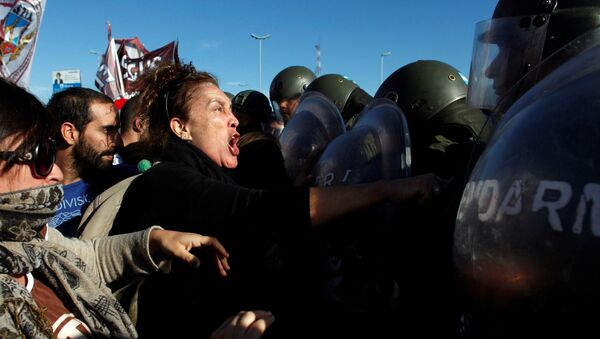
[(108, 76), (124, 61), (20, 22)]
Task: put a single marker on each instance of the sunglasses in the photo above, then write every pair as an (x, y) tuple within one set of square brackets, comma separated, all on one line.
[(41, 159)]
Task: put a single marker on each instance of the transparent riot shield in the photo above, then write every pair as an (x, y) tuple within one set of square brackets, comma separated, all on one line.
[(378, 147), (316, 122)]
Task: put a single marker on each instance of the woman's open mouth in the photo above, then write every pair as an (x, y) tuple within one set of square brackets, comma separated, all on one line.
[(232, 145)]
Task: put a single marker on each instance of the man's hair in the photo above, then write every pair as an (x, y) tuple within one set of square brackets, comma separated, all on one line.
[(73, 105), (128, 113)]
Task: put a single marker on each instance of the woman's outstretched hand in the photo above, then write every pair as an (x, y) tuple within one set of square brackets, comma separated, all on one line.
[(178, 245)]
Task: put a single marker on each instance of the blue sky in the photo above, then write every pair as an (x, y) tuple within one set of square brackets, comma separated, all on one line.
[(215, 36)]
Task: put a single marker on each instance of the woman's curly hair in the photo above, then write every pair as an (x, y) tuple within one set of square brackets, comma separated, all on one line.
[(165, 92)]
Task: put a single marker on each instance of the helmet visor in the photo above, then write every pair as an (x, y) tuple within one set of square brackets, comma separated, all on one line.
[(504, 50)]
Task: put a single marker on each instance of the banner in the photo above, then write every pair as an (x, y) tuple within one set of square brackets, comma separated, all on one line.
[(124, 61), (20, 22), (133, 65)]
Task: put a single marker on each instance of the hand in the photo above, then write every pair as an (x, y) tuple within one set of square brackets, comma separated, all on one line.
[(178, 245), (244, 325), (420, 188)]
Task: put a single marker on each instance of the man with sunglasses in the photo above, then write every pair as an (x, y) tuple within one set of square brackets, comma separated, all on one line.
[(86, 135)]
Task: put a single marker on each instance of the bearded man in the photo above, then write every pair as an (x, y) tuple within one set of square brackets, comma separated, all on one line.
[(86, 136)]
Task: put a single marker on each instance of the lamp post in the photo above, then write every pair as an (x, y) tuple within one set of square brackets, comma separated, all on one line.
[(384, 54), (260, 39), (97, 54)]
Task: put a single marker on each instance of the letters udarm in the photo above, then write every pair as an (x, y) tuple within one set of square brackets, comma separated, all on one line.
[(494, 203)]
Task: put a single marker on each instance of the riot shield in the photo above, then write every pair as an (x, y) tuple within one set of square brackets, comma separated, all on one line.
[(378, 147), (316, 122), (527, 237)]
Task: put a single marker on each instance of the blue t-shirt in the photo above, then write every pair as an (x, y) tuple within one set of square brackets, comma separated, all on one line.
[(76, 198)]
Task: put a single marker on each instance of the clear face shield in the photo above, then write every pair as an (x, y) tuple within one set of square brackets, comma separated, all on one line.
[(505, 49)]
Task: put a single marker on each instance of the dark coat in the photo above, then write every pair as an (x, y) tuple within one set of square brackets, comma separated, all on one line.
[(186, 191)]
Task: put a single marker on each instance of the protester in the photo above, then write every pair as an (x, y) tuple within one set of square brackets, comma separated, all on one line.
[(132, 127), (87, 134), (54, 286), (191, 125)]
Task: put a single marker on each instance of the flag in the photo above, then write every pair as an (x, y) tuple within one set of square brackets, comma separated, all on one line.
[(127, 59), (20, 22), (133, 62), (108, 76)]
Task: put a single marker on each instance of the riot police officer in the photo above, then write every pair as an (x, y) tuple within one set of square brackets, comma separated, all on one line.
[(344, 93), (252, 109), (526, 244), (287, 87), (432, 95)]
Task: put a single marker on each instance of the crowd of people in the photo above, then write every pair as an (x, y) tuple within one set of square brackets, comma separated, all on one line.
[(433, 207)]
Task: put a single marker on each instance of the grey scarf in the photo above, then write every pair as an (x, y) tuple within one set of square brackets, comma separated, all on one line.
[(23, 214), (23, 251)]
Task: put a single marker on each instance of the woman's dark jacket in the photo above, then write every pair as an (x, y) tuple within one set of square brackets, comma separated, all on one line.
[(187, 192)]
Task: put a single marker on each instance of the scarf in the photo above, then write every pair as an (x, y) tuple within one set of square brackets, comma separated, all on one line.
[(23, 215)]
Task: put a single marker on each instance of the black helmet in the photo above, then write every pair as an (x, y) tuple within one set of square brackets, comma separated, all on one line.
[(442, 128), (253, 102), (519, 36), (251, 108), (343, 92), (229, 94), (423, 88), (290, 83)]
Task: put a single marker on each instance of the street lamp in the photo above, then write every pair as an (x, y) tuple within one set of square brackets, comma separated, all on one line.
[(384, 54), (260, 39), (96, 53)]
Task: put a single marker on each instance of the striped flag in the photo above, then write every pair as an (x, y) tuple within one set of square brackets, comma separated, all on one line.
[(20, 23), (108, 77)]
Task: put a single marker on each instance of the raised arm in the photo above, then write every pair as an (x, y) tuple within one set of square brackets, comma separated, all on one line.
[(329, 203)]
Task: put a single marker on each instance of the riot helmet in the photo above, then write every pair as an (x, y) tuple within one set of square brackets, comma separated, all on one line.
[(442, 128), (344, 93), (289, 85), (229, 95), (518, 37), (423, 88), (252, 108)]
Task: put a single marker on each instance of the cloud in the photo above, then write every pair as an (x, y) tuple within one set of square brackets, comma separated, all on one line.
[(237, 83), (210, 44)]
